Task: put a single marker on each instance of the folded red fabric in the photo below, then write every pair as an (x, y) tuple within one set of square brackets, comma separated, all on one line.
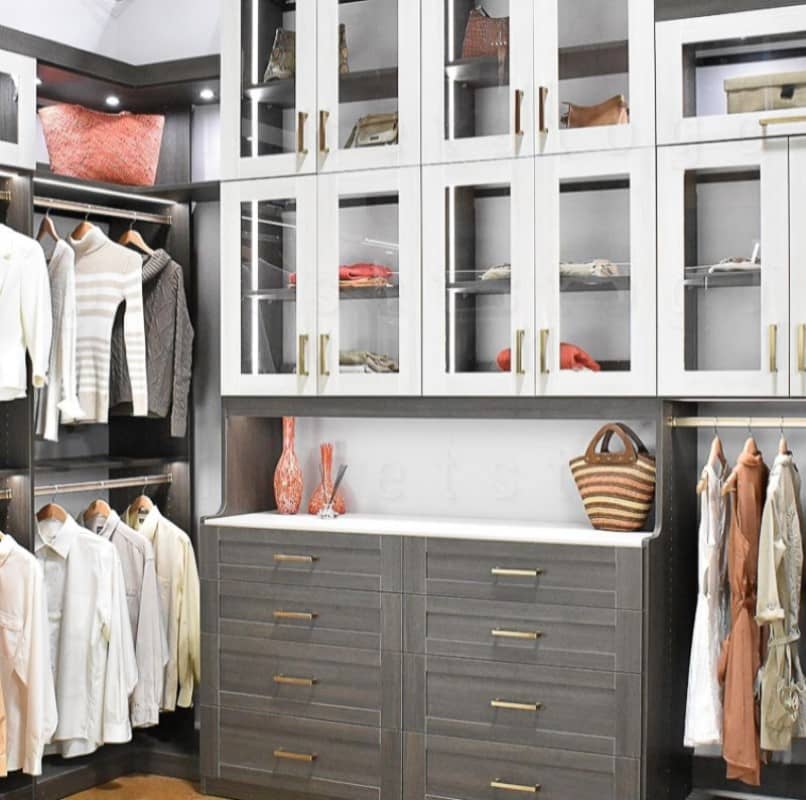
[(571, 357), (354, 272)]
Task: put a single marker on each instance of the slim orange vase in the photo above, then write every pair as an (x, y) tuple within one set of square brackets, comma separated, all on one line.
[(323, 491), (288, 474)]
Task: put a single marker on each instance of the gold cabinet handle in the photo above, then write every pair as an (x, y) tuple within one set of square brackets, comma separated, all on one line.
[(302, 119), (289, 755), (515, 787), (324, 116), (324, 341), (288, 680), (512, 706), (773, 337), (302, 616), (801, 348), (286, 558), (767, 121), (542, 96), (518, 112), (544, 351), (502, 633), (520, 335), (302, 367), (504, 572)]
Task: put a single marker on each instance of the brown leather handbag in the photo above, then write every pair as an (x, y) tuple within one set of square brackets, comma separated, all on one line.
[(611, 112), (485, 35)]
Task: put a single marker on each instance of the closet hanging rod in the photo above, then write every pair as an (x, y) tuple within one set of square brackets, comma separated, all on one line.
[(736, 422), (6, 494), (5, 196), (91, 209), (110, 483)]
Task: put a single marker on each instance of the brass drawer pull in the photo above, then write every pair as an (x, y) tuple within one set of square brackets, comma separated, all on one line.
[(773, 335), (288, 755), (324, 341), (304, 616), (515, 706), (516, 573), (515, 787), (302, 368), (520, 335), (302, 118), (323, 118), (801, 348), (518, 107), (501, 633), (542, 96), (544, 351), (287, 680), (283, 558), (764, 122)]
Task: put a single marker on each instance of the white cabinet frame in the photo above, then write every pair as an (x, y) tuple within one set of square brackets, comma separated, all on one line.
[(639, 166), (405, 182), (797, 267), (439, 150), (640, 132), (22, 153), (436, 179), (673, 36), (233, 381), (771, 158)]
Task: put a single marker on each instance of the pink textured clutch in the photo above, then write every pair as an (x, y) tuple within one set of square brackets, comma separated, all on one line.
[(91, 145)]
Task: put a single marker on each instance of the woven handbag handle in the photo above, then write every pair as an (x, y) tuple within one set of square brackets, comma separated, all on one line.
[(632, 445)]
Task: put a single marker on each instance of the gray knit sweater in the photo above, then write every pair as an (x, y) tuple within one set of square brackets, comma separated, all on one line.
[(169, 345)]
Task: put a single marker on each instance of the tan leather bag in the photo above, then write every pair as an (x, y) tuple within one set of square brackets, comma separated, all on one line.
[(374, 130), (611, 112), (485, 35)]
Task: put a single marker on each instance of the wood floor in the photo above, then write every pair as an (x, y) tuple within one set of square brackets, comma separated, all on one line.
[(142, 787)]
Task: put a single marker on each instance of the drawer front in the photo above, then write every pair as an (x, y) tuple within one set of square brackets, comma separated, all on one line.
[(549, 635), (603, 577), (307, 756), (333, 560), (342, 618), (589, 711), (327, 683), (457, 768)]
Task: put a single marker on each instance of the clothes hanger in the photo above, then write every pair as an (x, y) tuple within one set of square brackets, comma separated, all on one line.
[(47, 228), (83, 228), (717, 453), (51, 511), (99, 508), (783, 445), (133, 238), (750, 449), (142, 504)]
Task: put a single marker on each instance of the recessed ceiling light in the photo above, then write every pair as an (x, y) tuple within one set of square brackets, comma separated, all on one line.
[(112, 100), (207, 94)]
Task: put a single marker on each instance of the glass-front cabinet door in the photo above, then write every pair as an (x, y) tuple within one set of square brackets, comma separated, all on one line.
[(594, 68), (595, 310), (797, 267), (268, 289), (478, 279), (268, 80), (369, 283), (17, 111), (478, 99), (732, 76), (369, 84), (723, 269)]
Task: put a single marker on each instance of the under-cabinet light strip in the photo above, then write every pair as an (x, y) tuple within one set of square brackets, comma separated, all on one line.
[(140, 198)]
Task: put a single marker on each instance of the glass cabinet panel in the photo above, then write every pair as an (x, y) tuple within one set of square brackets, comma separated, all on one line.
[(17, 110), (9, 108), (724, 269)]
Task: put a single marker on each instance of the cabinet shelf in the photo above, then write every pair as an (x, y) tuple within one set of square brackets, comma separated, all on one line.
[(477, 73), (619, 283), (592, 60), (700, 278), (289, 295)]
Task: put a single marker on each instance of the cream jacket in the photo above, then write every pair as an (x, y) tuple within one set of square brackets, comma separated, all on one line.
[(25, 670), (179, 593)]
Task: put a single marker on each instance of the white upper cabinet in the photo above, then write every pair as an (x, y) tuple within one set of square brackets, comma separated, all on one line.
[(17, 111), (732, 76), (595, 239), (723, 269), (594, 68), (477, 84)]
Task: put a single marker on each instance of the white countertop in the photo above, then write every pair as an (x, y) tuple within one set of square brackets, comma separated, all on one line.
[(437, 527)]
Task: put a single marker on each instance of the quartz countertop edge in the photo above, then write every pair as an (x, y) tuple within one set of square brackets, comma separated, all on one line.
[(437, 527)]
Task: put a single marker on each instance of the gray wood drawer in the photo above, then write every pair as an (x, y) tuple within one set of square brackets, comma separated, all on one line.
[(604, 577), (349, 761), (332, 560), (589, 711), (329, 683), (438, 768), (560, 636), (345, 618)]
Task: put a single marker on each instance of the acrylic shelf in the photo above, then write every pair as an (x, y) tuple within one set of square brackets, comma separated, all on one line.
[(289, 295), (568, 284)]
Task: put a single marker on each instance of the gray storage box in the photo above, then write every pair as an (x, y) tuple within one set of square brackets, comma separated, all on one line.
[(766, 92)]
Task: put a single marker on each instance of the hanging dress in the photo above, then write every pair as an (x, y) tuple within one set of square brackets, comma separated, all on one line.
[(740, 659), (704, 699)]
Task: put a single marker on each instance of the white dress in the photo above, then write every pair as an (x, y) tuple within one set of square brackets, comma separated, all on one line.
[(704, 699)]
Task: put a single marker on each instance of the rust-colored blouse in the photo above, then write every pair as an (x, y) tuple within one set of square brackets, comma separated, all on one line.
[(741, 651)]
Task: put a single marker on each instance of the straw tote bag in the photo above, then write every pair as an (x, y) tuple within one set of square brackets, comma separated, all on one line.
[(617, 489)]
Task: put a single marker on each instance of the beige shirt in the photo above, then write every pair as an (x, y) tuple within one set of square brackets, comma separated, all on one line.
[(178, 580), (3, 759)]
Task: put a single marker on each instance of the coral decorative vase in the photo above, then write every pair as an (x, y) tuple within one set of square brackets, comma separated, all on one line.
[(288, 474), (325, 488)]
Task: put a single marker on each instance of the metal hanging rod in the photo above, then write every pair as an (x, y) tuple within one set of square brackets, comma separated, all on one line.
[(111, 483), (6, 494), (5, 196), (736, 422), (90, 209)]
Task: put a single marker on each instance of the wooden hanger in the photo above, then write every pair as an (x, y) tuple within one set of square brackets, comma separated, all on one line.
[(750, 449), (51, 511), (82, 229), (717, 454), (783, 445), (142, 504), (133, 238), (99, 508), (47, 228)]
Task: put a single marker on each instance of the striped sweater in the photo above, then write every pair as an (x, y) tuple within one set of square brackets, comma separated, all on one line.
[(107, 275)]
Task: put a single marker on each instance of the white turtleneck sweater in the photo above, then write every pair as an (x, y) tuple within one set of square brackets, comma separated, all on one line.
[(107, 275)]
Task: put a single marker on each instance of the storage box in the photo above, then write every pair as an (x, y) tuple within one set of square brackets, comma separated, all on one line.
[(766, 92)]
